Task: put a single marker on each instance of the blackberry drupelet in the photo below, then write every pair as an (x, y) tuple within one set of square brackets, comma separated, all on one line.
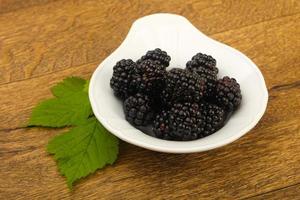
[(185, 121), (202, 60), (161, 127), (138, 110), (182, 86), (213, 116), (228, 93), (122, 78), (156, 55), (149, 77)]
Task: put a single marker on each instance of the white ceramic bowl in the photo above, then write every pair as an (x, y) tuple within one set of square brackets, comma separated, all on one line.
[(176, 35)]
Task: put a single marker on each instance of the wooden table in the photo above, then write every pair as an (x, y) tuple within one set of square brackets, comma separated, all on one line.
[(44, 41)]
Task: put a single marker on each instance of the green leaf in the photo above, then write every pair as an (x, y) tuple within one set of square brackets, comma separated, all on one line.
[(67, 110), (86, 86), (83, 150), (86, 147), (68, 87)]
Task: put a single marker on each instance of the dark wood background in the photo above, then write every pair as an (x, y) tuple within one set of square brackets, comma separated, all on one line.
[(44, 41)]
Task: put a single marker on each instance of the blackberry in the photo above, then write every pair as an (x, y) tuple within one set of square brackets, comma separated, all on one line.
[(161, 127), (213, 116), (149, 77), (138, 110), (185, 121), (228, 93), (205, 66), (122, 78), (202, 61), (156, 55), (189, 121), (210, 79), (182, 86)]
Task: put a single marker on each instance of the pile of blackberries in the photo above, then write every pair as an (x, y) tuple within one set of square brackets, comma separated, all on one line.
[(179, 104)]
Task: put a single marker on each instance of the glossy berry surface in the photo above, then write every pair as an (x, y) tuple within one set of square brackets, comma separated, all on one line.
[(201, 60), (228, 93), (213, 116), (121, 81), (149, 77), (138, 110), (182, 86), (156, 55)]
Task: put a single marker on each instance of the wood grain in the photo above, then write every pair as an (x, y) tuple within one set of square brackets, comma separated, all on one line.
[(291, 192), (64, 34), (9, 5), (44, 41)]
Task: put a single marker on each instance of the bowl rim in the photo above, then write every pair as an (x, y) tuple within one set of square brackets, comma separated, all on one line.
[(150, 146)]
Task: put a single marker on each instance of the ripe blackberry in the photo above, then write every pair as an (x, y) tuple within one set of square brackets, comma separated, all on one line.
[(213, 116), (182, 86), (210, 78), (156, 55), (189, 121), (161, 127), (122, 78), (203, 61), (185, 121), (228, 93), (138, 110), (149, 77)]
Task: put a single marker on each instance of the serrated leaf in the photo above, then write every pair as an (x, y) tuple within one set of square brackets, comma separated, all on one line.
[(59, 112), (68, 87), (83, 150)]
